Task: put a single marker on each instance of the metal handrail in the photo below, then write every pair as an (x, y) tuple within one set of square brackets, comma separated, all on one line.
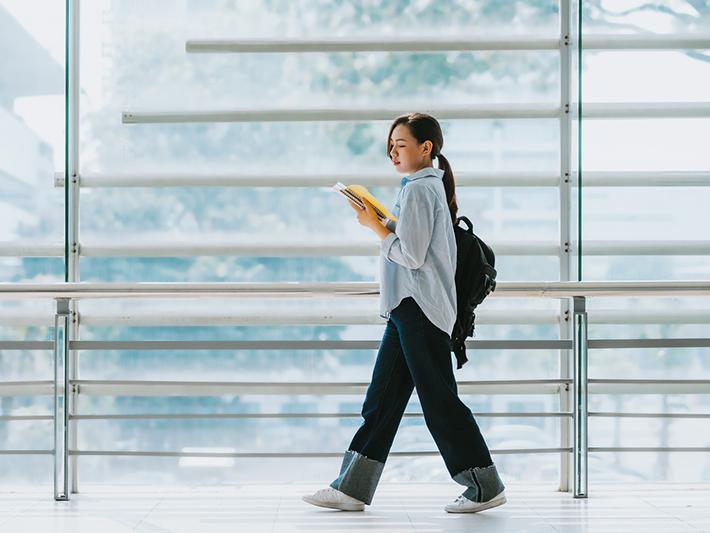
[(373, 44), (534, 110), (154, 245), (207, 316), (379, 43), (494, 178), (514, 289)]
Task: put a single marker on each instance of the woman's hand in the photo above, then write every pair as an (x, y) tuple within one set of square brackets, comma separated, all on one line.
[(367, 217)]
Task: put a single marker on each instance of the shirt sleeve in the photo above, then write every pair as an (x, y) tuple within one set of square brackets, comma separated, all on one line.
[(409, 244)]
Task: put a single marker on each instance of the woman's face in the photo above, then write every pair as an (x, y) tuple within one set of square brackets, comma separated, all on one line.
[(406, 153)]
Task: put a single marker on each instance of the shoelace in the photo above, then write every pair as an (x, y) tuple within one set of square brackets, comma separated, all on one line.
[(461, 499), (327, 493)]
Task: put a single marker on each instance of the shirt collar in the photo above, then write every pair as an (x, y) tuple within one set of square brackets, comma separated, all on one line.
[(425, 172)]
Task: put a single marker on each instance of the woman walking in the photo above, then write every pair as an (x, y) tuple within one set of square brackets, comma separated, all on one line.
[(418, 299)]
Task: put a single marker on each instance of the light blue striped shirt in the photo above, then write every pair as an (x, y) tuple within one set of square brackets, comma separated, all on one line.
[(419, 259)]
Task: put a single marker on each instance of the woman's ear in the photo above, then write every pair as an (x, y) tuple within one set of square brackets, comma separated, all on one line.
[(427, 148)]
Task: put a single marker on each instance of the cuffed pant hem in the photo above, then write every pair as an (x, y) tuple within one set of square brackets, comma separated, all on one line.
[(483, 483), (359, 476)]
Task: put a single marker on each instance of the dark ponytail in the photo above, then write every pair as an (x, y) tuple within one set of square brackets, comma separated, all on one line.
[(449, 186), (426, 128)]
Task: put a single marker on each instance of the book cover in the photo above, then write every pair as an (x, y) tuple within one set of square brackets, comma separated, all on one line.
[(357, 193)]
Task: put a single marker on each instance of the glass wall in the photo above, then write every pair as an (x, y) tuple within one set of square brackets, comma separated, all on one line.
[(178, 218), (32, 42), (248, 199), (645, 192)]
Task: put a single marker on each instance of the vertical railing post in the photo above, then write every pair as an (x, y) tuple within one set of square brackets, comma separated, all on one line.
[(72, 199), (581, 410), (61, 393), (565, 236)]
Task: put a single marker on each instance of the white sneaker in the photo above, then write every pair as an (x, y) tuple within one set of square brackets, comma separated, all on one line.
[(334, 499), (463, 505)]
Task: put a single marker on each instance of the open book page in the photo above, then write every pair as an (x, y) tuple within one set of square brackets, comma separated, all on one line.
[(357, 193)]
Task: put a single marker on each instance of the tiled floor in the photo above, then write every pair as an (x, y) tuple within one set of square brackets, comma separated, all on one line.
[(667, 508)]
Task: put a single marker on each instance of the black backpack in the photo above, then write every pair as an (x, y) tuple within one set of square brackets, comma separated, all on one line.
[(475, 279)]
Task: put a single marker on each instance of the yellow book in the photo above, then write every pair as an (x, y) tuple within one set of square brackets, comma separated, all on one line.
[(358, 193)]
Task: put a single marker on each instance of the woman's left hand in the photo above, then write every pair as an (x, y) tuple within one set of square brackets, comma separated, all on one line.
[(367, 217)]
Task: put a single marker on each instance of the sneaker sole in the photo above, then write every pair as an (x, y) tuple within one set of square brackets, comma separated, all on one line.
[(340, 506), (495, 502)]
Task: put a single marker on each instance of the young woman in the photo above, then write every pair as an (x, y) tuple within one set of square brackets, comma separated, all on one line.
[(418, 299)]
